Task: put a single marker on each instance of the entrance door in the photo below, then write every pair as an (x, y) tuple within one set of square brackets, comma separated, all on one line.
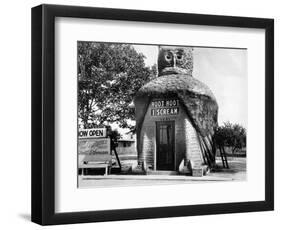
[(165, 145)]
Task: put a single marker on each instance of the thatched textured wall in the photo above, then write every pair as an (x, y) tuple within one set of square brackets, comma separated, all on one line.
[(197, 101), (197, 98), (186, 142)]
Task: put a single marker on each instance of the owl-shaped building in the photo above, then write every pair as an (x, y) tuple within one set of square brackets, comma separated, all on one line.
[(176, 116)]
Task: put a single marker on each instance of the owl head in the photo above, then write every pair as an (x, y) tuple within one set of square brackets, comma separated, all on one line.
[(175, 60)]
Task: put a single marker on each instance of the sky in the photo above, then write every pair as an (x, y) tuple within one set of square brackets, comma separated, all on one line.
[(224, 71)]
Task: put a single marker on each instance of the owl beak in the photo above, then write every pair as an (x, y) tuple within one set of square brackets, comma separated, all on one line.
[(174, 60)]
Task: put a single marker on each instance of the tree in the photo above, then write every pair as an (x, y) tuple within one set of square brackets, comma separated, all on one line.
[(109, 75), (230, 135)]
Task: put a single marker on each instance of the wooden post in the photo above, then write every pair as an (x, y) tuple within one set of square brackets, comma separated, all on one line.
[(225, 159), (115, 152), (221, 152)]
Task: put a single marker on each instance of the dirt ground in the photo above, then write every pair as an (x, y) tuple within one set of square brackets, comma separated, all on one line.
[(237, 169), (236, 172)]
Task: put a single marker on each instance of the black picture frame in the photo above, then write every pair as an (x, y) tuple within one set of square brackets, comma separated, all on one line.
[(43, 114)]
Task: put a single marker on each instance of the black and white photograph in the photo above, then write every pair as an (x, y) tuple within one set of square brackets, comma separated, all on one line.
[(140, 114), (152, 114)]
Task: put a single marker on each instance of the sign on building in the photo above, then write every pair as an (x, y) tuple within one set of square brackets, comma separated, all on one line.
[(165, 107)]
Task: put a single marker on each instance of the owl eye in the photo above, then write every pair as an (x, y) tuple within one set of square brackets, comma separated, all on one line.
[(168, 57), (179, 56)]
